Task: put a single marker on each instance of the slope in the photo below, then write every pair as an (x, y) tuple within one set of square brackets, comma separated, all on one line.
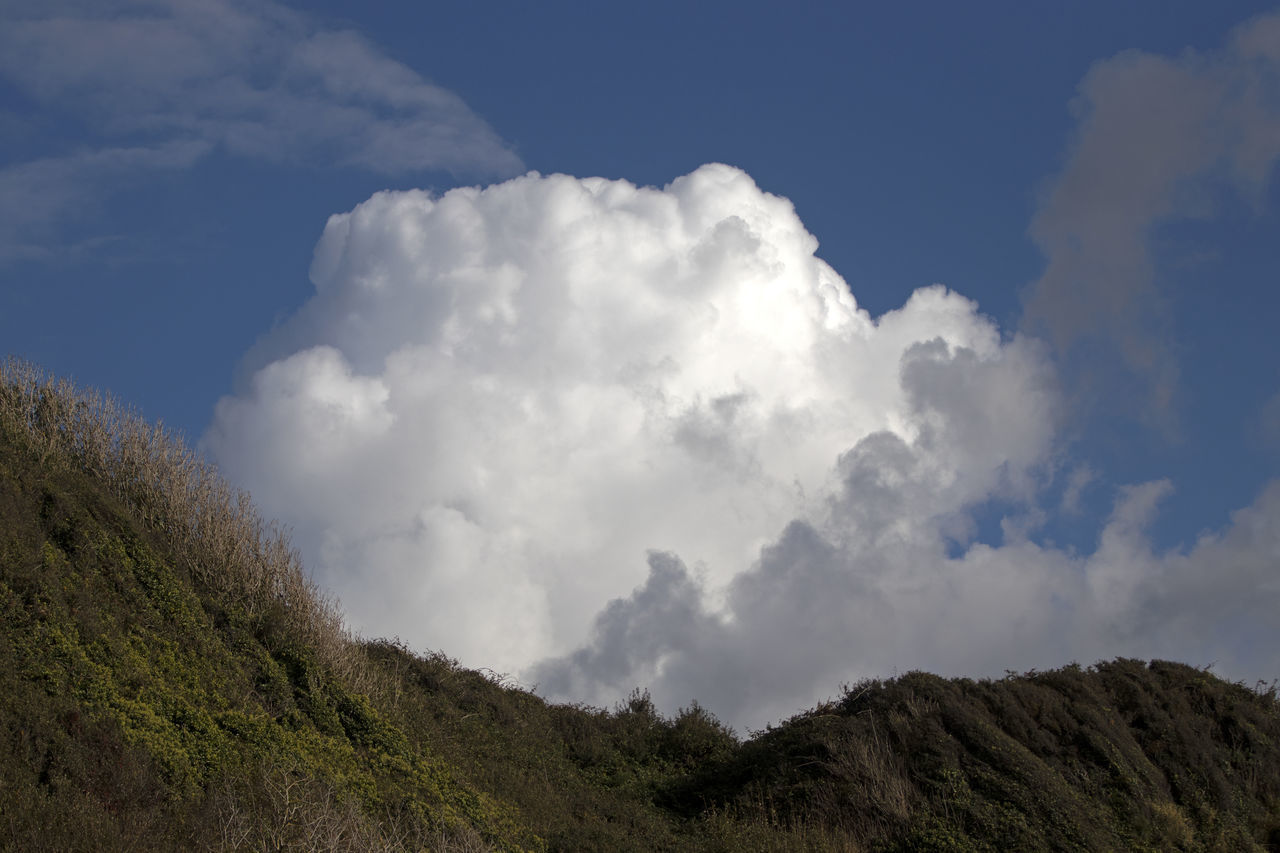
[(170, 680)]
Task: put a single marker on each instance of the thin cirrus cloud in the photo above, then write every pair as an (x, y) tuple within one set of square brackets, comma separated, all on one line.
[(39, 193), (255, 79), (1158, 139)]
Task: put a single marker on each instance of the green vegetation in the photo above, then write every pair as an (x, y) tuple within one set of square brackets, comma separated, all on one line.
[(170, 680)]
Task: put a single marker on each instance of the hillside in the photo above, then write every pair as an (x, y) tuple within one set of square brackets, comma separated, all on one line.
[(170, 680)]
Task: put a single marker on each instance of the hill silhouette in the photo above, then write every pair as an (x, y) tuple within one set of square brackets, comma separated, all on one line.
[(171, 680)]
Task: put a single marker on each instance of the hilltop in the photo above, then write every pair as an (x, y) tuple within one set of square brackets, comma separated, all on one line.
[(171, 680)]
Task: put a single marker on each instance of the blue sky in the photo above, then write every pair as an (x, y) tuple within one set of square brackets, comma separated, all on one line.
[(167, 170)]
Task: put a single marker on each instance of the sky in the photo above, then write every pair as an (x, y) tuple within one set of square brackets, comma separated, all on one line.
[(736, 352)]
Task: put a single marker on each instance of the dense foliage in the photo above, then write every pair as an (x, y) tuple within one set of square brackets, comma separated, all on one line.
[(170, 680)]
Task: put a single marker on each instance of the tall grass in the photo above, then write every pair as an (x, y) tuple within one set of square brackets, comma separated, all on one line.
[(230, 551)]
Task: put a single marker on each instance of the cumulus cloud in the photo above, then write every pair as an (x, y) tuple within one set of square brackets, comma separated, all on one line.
[(253, 78), (1157, 140), (600, 436), (820, 607), (497, 401)]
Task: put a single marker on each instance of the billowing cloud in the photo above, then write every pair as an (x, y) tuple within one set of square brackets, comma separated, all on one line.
[(878, 581), (498, 401), (832, 603), (1157, 141), (602, 436), (252, 78)]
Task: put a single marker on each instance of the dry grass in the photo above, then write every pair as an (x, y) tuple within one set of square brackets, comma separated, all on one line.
[(282, 807), (231, 552)]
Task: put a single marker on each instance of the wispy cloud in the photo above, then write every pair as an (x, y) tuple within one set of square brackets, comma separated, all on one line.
[(39, 193), (1078, 481), (1158, 138), (254, 79)]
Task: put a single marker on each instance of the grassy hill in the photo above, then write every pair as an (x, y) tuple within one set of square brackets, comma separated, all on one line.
[(170, 680)]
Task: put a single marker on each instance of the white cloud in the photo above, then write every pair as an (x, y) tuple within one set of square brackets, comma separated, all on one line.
[(1157, 139), (825, 607), (873, 583), (499, 401)]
